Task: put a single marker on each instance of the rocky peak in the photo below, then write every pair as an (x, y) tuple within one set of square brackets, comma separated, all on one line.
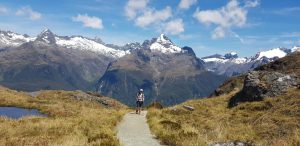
[(132, 46), (231, 55), (98, 40), (164, 45), (46, 36), (189, 50), (163, 39)]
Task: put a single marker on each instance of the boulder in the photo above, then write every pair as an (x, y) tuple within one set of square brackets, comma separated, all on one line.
[(261, 84)]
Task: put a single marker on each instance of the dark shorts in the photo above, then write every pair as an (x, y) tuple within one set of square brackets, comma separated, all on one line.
[(139, 103)]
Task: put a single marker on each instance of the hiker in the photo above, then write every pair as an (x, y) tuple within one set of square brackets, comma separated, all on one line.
[(140, 97)]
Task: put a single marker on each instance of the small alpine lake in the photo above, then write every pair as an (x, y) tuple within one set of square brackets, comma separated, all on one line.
[(16, 112)]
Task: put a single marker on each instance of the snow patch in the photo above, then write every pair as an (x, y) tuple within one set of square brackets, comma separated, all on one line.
[(295, 49), (13, 39), (90, 45), (277, 52), (240, 60), (164, 45), (233, 53), (220, 60), (223, 60)]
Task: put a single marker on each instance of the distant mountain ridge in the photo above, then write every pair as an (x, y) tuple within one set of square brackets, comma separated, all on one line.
[(10, 39), (49, 61), (230, 64)]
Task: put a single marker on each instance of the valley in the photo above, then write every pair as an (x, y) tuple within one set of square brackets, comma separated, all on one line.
[(168, 73), (149, 73)]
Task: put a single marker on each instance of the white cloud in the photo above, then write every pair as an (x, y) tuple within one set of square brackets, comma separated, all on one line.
[(225, 18), (173, 27), (89, 21), (145, 16), (252, 4), (286, 11), (153, 16), (186, 4), (134, 6), (28, 12), (3, 9), (218, 32)]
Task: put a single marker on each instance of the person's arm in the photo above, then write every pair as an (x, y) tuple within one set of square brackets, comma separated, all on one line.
[(143, 97)]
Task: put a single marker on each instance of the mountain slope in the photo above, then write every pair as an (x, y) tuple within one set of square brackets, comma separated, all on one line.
[(167, 73), (273, 120), (46, 63)]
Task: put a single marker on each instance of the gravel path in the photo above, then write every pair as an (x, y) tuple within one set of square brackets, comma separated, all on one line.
[(134, 131)]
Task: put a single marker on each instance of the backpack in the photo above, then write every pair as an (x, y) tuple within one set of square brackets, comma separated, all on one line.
[(140, 96)]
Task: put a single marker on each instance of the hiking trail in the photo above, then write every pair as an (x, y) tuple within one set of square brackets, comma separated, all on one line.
[(134, 131)]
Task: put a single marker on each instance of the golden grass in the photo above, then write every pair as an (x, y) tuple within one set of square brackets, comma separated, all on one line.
[(71, 122), (274, 121)]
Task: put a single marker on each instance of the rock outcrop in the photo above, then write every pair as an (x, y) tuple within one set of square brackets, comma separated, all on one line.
[(258, 85), (261, 84)]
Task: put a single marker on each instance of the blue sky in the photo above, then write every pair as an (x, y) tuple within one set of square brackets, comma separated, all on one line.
[(208, 26)]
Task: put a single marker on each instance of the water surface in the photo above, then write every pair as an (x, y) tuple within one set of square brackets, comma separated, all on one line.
[(16, 112)]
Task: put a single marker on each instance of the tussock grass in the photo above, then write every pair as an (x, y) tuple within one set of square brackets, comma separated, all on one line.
[(274, 121), (70, 123)]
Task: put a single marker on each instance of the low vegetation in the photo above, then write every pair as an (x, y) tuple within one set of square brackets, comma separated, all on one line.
[(274, 121), (72, 120)]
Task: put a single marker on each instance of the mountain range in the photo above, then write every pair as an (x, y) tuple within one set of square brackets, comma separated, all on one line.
[(168, 73), (230, 64), (49, 61)]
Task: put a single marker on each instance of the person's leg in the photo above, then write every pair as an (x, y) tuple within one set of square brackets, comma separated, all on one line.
[(137, 107), (139, 110), (140, 107)]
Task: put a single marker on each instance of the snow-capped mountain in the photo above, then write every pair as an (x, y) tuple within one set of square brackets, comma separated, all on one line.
[(160, 44), (11, 39), (271, 54), (230, 64), (165, 45), (295, 49), (47, 37), (229, 57), (82, 43), (50, 61), (158, 66)]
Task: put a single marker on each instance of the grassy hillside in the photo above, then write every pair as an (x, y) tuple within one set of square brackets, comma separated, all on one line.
[(73, 120), (274, 121), (286, 65)]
